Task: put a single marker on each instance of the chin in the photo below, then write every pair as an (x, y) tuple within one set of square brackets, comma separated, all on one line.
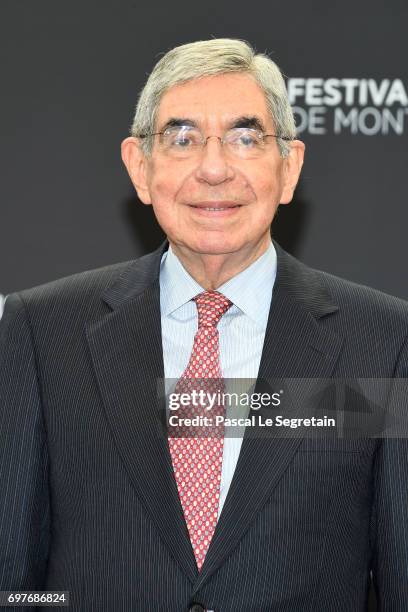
[(215, 245)]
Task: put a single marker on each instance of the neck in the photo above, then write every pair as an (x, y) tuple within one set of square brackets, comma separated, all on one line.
[(213, 270)]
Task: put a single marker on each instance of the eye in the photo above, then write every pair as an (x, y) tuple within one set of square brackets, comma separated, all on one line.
[(182, 141), (181, 137), (246, 138)]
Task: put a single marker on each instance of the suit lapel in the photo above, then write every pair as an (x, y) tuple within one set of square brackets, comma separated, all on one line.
[(127, 354), (296, 345)]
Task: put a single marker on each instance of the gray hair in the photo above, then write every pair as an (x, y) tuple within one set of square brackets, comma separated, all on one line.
[(210, 57)]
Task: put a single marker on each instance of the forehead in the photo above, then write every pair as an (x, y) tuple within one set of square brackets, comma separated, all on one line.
[(215, 99)]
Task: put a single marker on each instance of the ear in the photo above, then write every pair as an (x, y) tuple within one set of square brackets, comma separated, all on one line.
[(292, 166), (136, 165)]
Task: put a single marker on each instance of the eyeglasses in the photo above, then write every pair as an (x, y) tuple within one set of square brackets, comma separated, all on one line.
[(185, 141)]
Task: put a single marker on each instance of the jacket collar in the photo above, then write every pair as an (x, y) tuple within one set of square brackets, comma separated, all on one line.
[(298, 281)]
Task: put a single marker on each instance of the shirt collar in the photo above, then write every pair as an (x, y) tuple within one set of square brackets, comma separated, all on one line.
[(176, 285), (250, 290)]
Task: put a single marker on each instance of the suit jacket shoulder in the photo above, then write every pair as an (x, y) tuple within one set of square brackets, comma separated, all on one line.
[(83, 291), (357, 305)]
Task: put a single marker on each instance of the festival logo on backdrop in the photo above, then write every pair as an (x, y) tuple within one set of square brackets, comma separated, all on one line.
[(349, 105)]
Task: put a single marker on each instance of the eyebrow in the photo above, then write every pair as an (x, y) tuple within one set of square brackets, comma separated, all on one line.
[(178, 122), (245, 121)]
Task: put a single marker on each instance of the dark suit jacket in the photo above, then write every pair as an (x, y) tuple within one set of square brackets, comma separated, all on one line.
[(88, 501)]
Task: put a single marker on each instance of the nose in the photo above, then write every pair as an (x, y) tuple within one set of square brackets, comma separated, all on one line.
[(213, 167)]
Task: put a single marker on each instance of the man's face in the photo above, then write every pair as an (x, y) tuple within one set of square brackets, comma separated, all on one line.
[(245, 192)]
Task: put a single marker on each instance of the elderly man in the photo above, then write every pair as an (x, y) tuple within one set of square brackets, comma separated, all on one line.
[(95, 500)]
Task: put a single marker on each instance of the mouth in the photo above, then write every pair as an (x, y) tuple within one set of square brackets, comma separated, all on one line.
[(221, 208)]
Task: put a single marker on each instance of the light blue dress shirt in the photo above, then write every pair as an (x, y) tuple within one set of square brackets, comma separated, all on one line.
[(241, 329)]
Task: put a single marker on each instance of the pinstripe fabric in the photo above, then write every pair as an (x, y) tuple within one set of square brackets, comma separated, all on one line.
[(87, 498)]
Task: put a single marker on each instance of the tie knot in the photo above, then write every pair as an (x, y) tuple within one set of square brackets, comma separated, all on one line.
[(211, 305)]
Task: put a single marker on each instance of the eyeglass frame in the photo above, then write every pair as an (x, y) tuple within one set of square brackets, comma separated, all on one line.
[(220, 138)]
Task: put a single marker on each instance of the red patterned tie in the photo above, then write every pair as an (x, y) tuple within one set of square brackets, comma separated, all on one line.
[(196, 452)]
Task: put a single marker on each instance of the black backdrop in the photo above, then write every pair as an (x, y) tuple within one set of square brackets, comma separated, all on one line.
[(70, 75)]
